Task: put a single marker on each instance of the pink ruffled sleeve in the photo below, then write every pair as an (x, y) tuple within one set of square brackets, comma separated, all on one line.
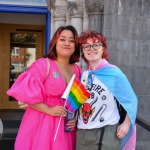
[(29, 86)]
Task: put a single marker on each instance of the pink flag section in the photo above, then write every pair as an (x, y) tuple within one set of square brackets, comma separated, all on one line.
[(131, 143)]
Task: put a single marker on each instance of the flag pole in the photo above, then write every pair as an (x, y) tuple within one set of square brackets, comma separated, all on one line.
[(65, 96)]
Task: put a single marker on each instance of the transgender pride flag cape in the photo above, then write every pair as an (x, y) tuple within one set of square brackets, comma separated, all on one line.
[(117, 83)]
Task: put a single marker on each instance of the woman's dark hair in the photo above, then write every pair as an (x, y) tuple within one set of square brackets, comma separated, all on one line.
[(52, 47), (95, 36)]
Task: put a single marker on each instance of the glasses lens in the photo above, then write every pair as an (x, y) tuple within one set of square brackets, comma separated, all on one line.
[(86, 47), (96, 45)]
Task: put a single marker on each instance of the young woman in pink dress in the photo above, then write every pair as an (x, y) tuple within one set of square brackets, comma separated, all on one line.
[(43, 92)]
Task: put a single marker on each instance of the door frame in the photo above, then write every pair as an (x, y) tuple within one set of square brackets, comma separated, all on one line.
[(6, 29), (27, 9)]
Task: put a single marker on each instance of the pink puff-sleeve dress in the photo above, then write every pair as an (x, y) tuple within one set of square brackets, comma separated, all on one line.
[(37, 129)]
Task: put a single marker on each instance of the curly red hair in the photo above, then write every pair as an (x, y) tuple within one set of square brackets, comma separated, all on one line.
[(95, 36)]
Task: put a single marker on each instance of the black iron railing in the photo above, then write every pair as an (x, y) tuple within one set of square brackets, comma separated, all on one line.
[(143, 123)]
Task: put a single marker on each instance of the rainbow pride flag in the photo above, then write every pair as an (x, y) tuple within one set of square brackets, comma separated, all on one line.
[(77, 95)]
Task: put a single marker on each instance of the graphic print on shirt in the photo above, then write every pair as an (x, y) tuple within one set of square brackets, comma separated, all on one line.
[(86, 110), (95, 111), (101, 110)]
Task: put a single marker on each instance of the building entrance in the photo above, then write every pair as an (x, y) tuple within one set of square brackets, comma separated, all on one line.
[(20, 45)]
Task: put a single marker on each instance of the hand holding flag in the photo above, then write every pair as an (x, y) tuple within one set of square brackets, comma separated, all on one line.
[(75, 95)]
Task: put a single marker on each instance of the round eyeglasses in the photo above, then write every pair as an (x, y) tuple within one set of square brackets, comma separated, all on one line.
[(95, 46)]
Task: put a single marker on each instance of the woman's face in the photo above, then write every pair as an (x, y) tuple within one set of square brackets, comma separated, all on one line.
[(65, 45), (93, 50)]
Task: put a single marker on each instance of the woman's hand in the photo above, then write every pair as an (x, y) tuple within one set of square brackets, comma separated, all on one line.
[(123, 129), (72, 124), (57, 111), (22, 105), (53, 111)]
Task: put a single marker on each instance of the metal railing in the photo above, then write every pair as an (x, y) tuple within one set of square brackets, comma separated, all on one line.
[(143, 123)]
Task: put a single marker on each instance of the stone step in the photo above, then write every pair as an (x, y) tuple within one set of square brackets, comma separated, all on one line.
[(7, 144), (11, 122), (11, 114), (10, 133)]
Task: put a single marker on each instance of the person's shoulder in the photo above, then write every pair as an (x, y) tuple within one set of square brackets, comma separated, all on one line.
[(78, 67), (38, 64), (40, 60), (77, 70), (112, 67), (117, 71)]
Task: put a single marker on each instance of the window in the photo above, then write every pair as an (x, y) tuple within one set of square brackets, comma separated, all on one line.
[(15, 51)]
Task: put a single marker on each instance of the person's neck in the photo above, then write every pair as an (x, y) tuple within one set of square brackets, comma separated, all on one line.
[(93, 65), (62, 62)]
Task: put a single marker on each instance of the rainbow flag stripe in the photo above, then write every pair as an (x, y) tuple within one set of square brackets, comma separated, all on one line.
[(77, 96)]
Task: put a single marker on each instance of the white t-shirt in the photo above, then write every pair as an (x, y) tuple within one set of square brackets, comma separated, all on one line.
[(100, 109)]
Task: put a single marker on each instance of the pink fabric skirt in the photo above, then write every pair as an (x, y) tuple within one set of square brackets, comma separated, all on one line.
[(37, 132)]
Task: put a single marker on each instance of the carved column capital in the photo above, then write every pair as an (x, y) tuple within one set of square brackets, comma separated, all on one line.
[(59, 12), (94, 6), (76, 9), (52, 2)]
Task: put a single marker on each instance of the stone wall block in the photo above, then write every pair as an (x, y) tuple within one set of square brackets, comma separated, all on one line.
[(142, 135), (123, 52), (109, 26), (144, 81), (127, 6), (141, 145), (134, 24), (122, 27), (144, 54), (143, 110), (113, 51), (132, 75), (143, 27), (140, 7), (148, 24), (110, 8), (127, 54)]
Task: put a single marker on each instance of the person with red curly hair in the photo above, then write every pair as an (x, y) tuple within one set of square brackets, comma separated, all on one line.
[(107, 118)]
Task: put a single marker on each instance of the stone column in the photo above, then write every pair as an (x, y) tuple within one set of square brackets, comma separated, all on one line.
[(59, 13), (95, 11), (76, 9)]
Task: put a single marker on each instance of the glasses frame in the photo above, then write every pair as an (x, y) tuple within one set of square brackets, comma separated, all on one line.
[(100, 44)]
